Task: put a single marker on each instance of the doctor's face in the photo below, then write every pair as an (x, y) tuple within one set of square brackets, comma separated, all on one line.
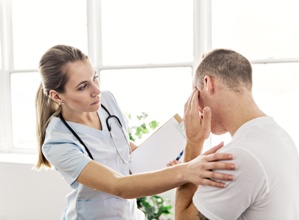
[(81, 92)]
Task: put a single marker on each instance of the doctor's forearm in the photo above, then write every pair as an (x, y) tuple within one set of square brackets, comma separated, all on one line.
[(102, 178), (145, 184)]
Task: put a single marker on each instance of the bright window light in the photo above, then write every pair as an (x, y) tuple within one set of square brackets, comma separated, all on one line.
[(160, 92), (41, 24), (257, 29), (142, 32), (276, 91), (23, 89)]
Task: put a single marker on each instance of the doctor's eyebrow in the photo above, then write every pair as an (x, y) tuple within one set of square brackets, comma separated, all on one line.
[(95, 76)]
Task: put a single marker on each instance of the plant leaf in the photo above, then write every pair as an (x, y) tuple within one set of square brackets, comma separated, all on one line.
[(153, 124)]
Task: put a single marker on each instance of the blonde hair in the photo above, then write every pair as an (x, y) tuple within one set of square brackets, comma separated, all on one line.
[(53, 77)]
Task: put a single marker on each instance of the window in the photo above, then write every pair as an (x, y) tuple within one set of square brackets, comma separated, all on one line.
[(144, 52), (144, 57), (257, 29), (40, 24), (147, 32), (23, 111)]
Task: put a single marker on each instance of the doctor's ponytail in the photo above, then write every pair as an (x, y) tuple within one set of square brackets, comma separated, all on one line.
[(53, 70), (45, 109)]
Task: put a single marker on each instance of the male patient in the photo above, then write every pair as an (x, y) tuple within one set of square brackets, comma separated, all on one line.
[(266, 184)]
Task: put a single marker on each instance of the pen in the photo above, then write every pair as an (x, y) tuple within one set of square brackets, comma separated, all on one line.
[(180, 155)]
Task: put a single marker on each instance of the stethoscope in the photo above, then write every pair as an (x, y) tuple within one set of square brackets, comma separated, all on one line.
[(111, 135)]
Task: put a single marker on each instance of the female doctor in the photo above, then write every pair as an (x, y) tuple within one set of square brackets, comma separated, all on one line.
[(82, 132)]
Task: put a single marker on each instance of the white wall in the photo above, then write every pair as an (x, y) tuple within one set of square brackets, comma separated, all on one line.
[(27, 194)]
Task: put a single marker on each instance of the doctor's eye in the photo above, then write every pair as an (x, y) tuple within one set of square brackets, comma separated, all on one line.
[(83, 87)]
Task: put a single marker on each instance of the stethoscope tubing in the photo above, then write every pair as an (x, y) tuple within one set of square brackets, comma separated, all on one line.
[(109, 129)]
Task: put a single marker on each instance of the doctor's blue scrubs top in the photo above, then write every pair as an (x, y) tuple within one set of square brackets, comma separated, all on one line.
[(69, 157)]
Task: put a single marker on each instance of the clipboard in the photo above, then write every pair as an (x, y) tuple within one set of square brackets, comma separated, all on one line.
[(163, 146)]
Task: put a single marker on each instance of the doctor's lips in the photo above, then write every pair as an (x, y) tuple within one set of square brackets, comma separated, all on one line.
[(96, 102)]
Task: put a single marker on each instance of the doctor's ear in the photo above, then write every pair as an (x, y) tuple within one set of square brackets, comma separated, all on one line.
[(55, 97)]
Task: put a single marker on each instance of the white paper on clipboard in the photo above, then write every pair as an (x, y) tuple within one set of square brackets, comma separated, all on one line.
[(163, 146)]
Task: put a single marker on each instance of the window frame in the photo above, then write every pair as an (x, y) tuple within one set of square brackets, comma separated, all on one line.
[(6, 69)]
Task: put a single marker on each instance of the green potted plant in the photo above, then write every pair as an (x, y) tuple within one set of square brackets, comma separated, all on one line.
[(155, 207)]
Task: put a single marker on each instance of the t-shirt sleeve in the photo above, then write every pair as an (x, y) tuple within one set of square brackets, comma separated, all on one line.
[(68, 158), (230, 202)]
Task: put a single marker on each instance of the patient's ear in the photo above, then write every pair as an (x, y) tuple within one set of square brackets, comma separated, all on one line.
[(209, 83)]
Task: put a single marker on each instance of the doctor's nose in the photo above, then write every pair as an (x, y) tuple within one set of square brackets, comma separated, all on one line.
[(96, 90)]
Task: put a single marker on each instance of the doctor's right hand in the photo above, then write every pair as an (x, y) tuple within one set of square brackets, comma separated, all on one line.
[(202, 168)]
